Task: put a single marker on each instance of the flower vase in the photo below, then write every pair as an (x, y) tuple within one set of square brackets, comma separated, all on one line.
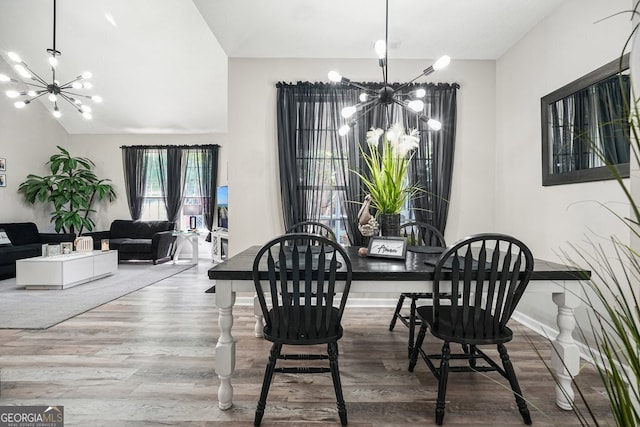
[(389, 224)]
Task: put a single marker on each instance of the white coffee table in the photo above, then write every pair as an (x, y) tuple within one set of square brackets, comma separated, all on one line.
[(65, 271)]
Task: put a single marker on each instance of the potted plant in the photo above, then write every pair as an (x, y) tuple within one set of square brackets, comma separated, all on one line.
[(385, 179), (72, 188)]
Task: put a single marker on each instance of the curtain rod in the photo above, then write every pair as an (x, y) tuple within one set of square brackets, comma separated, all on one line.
[(170, 146), (374, 84)]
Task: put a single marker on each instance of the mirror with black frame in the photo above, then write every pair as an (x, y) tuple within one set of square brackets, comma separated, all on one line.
[(585, 127)]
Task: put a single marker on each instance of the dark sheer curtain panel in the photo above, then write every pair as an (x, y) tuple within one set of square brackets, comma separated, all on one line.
[(315, 163), (314, 160), (172, 180), (134, 160), (205, 160), (432, 164)]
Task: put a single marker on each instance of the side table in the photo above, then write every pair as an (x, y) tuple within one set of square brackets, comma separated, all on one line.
[(181, 238)]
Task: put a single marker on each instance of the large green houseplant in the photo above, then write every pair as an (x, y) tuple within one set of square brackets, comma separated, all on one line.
[(72, 188)]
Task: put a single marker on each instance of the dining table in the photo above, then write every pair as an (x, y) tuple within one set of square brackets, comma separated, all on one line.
[(414, 273)]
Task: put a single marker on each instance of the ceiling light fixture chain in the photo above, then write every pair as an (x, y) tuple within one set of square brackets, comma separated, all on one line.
[(54, 90), (387, 95)]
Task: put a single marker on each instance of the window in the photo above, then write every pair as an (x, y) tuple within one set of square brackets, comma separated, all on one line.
[(193, 202), (154, 200), (323, 187), (153, 207)]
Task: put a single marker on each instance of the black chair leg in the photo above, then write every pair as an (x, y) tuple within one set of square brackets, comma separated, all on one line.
[(511, 374), (332, 350), (396, 313), (412, 325), (266, 382), (442, 383), (416, 348)]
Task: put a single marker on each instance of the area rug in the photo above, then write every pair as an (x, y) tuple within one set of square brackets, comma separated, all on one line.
[(36, 309)]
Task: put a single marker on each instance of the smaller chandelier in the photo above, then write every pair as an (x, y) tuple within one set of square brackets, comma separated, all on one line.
[(55, 91), (405, 96)]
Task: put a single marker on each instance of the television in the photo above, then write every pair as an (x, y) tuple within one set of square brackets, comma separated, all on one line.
[(222, 199), (222, 196)]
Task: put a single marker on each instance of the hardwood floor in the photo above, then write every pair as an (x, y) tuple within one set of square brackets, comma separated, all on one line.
[(147, 359)]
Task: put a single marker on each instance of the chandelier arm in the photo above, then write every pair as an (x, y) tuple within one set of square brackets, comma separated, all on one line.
[(77, 94), (359, 86), (383, 67), (40, 85), (34, 75), (404, 104), (70, 82), (362, 113), (410, 81), (66, 98), (30, 100), (362, 105)]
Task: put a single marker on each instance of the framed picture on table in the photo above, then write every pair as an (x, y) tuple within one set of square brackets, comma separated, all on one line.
[(387, 247)]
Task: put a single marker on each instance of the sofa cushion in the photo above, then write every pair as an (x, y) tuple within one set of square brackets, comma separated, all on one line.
[(22, 233), (135, 246), (9, 255), (138, 229)]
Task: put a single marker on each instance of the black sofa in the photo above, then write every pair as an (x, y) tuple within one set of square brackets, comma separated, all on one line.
[(26, 242), (138, 240)]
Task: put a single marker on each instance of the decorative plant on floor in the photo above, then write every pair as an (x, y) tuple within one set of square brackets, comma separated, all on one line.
[(72, 188)]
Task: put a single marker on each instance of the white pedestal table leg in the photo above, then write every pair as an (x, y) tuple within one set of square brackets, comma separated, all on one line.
[(226, 346), (565, 357)]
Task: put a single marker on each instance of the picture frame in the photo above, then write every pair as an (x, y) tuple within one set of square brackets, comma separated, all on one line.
[(3, 180), (66, 248), (3, 164), (387, 247)]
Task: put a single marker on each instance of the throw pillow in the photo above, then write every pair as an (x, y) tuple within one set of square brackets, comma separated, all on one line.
[(4, 239)]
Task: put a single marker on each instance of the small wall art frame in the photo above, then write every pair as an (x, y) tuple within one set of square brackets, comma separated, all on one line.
[(3, 180), (3, 164)]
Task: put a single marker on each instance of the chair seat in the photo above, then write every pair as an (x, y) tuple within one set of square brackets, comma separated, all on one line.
[(473, 334), (417, 294), (293, 326)]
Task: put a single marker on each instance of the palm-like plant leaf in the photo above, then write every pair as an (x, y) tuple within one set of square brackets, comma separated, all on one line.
[(71, 188)]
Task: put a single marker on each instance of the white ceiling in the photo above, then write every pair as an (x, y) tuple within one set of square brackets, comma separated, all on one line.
[(162, 68)]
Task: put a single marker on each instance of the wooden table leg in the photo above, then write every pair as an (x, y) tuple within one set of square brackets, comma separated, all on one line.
[(565, 358), (226, 346)]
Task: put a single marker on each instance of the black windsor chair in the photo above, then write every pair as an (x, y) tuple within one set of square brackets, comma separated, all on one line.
[(485, 276), (420, 236), (301, 305), (312, 227)]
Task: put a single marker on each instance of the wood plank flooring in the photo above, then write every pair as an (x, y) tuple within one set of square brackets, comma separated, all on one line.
[(147, 359)]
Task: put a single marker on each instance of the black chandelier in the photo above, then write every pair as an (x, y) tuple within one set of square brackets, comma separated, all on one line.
[(405, 96), (38, 87)]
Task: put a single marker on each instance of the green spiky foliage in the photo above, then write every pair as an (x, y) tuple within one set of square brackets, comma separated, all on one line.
[(72, 188)]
